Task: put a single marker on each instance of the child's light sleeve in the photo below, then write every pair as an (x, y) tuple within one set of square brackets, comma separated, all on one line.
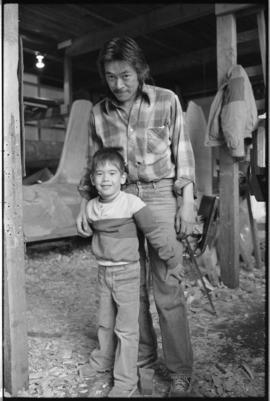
[(88, 209)]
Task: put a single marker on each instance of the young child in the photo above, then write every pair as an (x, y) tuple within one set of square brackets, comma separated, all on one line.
[(113, 216)]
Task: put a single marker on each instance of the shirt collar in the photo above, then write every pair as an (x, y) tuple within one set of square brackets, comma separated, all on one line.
[(147, 94)]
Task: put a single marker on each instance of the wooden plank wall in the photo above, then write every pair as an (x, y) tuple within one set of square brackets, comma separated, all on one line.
[(15, 331)]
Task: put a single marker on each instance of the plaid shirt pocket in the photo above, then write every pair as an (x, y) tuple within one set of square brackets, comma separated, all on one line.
[(157, 139)]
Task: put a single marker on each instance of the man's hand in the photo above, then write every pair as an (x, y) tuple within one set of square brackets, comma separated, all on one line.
[(177, 272), (185, 218), (83, 227)]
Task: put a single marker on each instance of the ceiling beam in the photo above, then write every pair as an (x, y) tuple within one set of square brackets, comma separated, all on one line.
[(178, 63), (147, 37), (67, 43), (195, 58), (90, 13), (189, 60), (222, 9), (47, 55), (161, 18), (186, 61), (247, 36)]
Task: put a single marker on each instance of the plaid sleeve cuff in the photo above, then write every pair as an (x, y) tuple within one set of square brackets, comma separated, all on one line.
[(181, 183)]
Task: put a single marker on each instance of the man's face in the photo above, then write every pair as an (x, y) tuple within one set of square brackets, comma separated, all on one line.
[(122, 80)]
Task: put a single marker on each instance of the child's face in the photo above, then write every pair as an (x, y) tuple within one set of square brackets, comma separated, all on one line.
[(108, 180)]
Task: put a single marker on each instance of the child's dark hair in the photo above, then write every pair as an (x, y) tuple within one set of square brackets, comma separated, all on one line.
[(111, 155)]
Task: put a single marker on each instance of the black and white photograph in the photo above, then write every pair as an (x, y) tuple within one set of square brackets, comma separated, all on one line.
[(134, 200)]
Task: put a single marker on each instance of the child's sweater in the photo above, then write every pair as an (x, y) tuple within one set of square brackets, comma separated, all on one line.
[(115, 238)]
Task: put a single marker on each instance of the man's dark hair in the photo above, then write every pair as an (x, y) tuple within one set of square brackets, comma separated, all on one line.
[(111, 155), (123, 49)]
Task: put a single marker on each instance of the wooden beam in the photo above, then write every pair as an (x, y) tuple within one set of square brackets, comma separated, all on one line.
[(183, 61), (67, 80), (48, 56), (229, 8), (64, 44), (229, 180), (247, 36), (161, 18), (186, 60), (81, 66), (147, 37), (54, 114), (15, 331), (1, 219), (262, 40), (159, 43), (254, 71), (195, 58)]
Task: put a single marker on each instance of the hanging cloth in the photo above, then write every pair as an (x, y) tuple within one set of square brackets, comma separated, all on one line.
[(233, 113)]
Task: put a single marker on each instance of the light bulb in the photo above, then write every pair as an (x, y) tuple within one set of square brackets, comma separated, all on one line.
[(40, 64)]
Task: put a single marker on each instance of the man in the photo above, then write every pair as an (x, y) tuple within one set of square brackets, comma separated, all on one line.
[(146, 123)]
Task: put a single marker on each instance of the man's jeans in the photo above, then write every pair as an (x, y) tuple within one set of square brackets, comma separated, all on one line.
[(118, 332), (169, 295)]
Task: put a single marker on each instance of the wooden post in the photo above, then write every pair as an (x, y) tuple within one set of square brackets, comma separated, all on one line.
[(15, 331), (262, 40), (1, 225), (67, 80), (229, 180), (67, 85)]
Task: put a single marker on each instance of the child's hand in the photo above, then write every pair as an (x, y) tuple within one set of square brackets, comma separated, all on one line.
[(177, 272), (82, 224)]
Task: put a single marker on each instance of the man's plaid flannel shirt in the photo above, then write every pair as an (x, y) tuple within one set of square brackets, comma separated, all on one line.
[(152, 139)]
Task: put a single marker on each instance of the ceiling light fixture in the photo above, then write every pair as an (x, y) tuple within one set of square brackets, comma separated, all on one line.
[(39, 61)]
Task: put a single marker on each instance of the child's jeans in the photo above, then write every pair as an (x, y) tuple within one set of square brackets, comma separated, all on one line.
[(118, 331)]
